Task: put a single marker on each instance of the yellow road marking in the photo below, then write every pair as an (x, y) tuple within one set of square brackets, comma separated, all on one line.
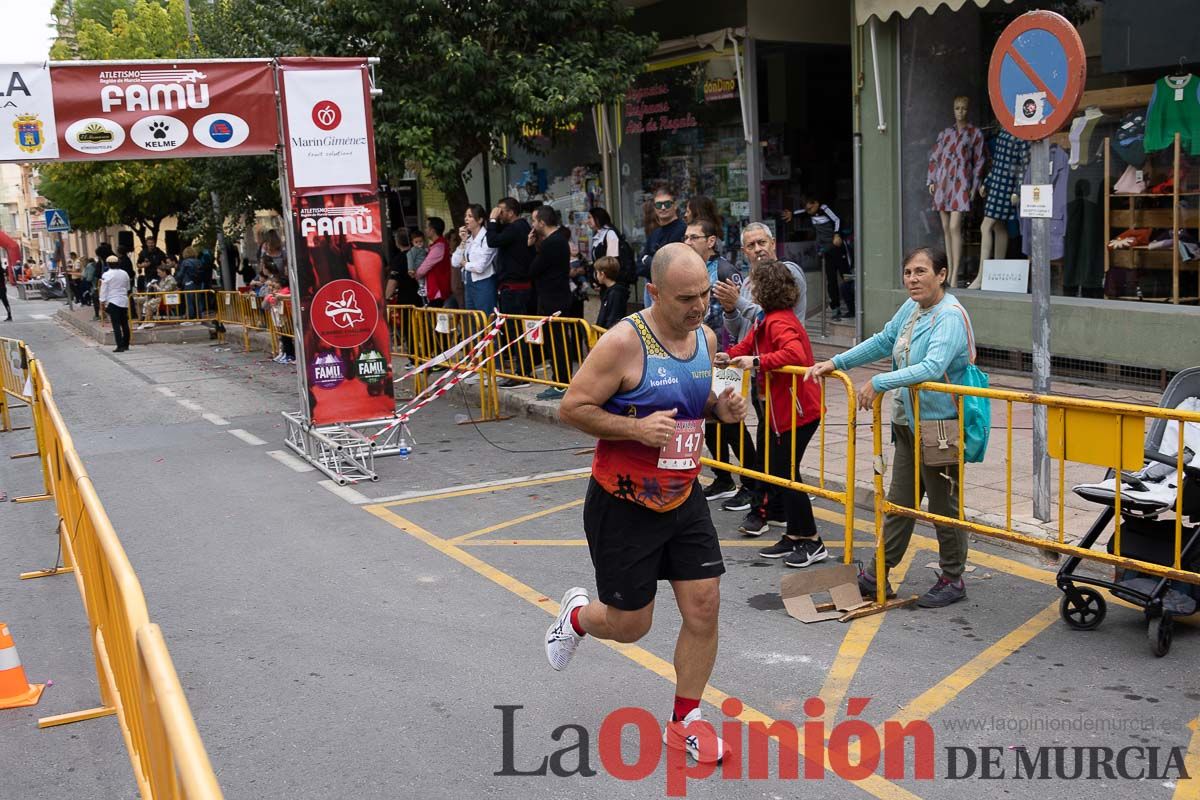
[(1189, 789), (484, 490), (528, 517), (860, 634), (935, 699), (874, 784)]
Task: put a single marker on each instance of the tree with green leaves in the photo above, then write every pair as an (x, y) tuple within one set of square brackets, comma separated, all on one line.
[(140, 194), (458, 76)]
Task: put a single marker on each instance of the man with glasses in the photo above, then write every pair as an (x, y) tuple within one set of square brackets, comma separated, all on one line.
[(670, 229), (758, 245), (701, 236)]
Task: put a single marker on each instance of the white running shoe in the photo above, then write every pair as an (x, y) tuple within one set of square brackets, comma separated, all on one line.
[(561, 638), (676, 737)]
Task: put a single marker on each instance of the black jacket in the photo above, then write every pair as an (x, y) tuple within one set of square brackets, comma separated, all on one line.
[(658, 238), (551, 270), (614, 302), (513, 254)]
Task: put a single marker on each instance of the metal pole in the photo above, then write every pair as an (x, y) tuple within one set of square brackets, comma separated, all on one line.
[(227, 281), (187, 16), (857, 250), (753, 150), (1039, 279), (289, 232)]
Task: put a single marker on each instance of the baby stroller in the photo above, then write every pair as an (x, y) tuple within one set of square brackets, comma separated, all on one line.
[(1146, 496)]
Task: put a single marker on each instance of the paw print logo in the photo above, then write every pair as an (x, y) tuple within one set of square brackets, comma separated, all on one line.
[(159, 129)]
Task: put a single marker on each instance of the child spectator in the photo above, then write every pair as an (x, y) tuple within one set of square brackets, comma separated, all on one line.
[(614, 296), (277, 290), (791, 406)]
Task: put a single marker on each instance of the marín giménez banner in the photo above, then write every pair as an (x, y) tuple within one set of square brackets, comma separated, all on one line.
[(327, 124), (181, 109), (341, 274)]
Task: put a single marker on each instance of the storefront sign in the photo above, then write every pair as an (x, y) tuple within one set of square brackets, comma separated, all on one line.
[(327, 124), (1036, 74), (340, 279), (27, 125), (1005, 275), (183, 109), (1037, 201)]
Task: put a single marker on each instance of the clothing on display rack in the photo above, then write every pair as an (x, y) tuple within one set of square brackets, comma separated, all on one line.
[(1082, 128), (1009, 158), (1128, 143), (956, 167), (1130, 182), (1174, 108), (1083, 243), (1058, 223)]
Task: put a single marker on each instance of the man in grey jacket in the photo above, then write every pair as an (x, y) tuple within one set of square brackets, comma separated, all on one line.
[(740, 309), (741, 312)]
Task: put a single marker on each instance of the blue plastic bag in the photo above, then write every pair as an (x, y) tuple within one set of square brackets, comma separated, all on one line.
[(976, 416), (976, 411)]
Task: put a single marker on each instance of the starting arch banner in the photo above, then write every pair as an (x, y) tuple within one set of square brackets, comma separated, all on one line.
[(315, 114)]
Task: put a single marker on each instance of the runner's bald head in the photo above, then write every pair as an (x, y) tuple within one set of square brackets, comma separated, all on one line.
[(673, 264)]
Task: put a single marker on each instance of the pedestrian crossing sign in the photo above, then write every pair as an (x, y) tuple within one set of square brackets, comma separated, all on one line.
[(56, 221)]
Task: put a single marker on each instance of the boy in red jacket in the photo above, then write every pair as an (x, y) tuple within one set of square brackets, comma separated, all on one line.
[(792, 406)]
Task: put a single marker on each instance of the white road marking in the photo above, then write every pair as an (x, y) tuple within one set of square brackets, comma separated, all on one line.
[(484, 485), (346, 493), (39, 316), (189, 405), (165, 391), (214, 419), (290, 461), (246, 436)]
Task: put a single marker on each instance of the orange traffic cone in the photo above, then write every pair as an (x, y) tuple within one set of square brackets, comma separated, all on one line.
[(15, 691)]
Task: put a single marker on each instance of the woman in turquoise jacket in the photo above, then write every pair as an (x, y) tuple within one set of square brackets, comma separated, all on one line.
[(927, 340)]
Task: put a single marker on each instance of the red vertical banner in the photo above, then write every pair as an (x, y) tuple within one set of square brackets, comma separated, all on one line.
[(338, 235), (341, 275)]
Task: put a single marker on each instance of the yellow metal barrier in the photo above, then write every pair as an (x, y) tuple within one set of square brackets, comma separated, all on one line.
[(245, 310), (432, 331), (137, 681), (823, 487), (1082, 431), (548, 356), (279, 321), (176, 307), (14, 380)]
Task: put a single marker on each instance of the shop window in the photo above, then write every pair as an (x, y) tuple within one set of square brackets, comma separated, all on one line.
[(682, 126), (1126, 188)]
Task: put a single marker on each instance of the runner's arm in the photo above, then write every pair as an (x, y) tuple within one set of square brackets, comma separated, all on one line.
[(728, 407), (600, 377)]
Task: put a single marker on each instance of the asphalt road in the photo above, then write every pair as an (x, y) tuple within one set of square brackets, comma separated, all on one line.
[(340, 644)]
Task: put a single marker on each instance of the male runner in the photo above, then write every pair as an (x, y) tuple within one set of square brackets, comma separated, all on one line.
[(644, 391)]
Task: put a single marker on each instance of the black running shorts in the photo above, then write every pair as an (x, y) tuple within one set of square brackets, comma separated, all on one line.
[(633, 547)]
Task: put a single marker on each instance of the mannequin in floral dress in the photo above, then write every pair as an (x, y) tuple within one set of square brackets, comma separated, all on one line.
[(955, 173)]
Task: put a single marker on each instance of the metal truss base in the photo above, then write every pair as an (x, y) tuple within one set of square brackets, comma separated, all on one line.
[(344, 452)]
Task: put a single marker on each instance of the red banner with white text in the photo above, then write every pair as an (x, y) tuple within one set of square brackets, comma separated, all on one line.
[(341, 276), (182, 109)]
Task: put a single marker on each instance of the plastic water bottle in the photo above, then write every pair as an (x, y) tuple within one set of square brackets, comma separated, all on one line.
[(405, 450)]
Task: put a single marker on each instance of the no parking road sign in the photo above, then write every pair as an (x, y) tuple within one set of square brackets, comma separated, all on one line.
[(56, 221), (1036, 75)]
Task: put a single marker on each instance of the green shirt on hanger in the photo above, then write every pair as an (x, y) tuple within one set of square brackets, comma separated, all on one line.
[(1174, 108)]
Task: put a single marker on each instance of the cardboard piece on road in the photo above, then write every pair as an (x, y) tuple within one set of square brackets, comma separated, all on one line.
[(840, 581)]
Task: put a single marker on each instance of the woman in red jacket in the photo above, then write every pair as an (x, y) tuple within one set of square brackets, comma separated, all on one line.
[(792, 407)]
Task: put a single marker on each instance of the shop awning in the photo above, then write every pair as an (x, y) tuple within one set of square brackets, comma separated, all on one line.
[(865, 9), (714, 39)]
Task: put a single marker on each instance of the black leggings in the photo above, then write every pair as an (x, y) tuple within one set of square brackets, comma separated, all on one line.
[(4, 297), (796, 505)]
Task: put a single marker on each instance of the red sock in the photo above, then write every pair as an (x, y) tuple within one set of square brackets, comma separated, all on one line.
[(575, 621), (684, 706)]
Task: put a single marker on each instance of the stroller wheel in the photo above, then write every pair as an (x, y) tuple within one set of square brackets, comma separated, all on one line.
[(1160, 631), (1082, 609)]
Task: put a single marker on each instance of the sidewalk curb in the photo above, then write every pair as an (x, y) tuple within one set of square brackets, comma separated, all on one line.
[(520, 402)]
